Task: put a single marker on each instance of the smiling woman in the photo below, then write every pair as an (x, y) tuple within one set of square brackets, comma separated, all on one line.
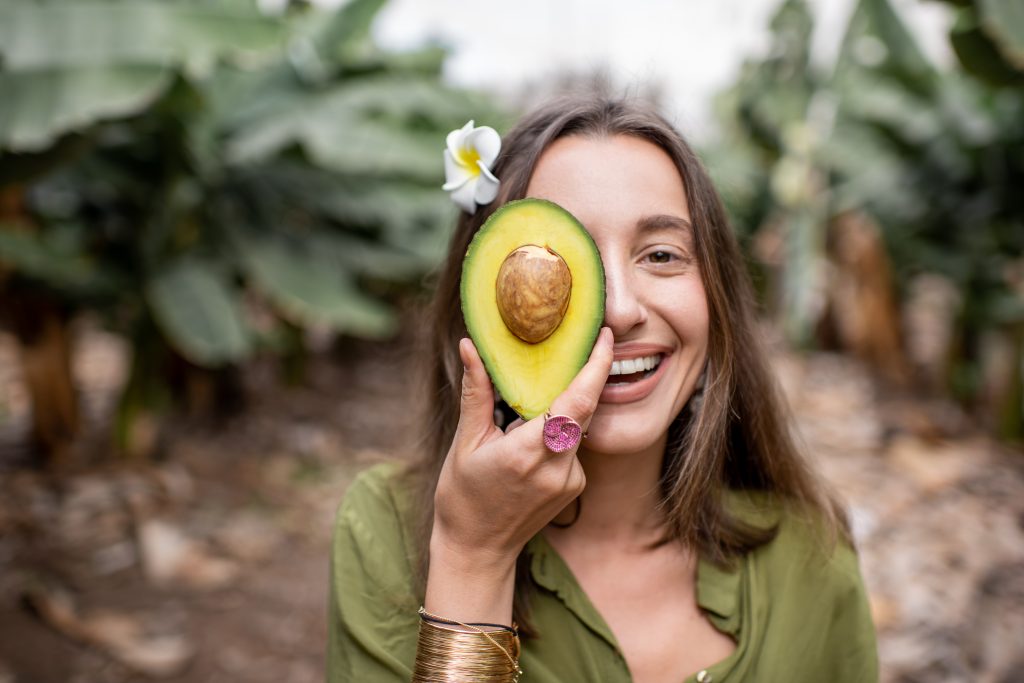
[(631, 198), (686, 539)]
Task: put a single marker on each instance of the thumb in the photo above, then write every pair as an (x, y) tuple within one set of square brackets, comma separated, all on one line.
[(476, 418)]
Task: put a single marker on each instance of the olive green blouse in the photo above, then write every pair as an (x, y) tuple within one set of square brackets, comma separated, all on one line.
[(797, 610)]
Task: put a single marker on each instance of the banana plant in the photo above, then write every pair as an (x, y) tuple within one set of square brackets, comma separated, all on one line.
[(227, 180), (932, 157), (69, 74), (937, 158)]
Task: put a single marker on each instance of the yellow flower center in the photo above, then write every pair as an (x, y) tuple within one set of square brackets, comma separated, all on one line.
[(468, 157)]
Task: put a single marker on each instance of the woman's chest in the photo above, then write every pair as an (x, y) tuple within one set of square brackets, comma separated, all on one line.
[(650, 605)]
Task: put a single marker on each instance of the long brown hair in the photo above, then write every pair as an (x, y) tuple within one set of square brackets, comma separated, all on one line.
[(739, 438)]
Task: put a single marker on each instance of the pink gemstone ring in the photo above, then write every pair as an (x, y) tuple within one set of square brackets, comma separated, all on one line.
[(561, 433)]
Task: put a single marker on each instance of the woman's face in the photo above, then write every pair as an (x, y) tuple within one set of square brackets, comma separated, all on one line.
[(629, 196)]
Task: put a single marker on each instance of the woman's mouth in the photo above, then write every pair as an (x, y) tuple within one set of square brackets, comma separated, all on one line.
[(632, 379), (632, 370)]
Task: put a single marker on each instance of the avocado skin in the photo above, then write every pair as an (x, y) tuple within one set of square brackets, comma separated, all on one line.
[(529, 376)]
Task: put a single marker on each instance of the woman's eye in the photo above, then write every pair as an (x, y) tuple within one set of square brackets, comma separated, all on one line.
[(659, 257)]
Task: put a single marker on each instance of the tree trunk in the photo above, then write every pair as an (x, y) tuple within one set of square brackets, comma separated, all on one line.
[(863, 308), (40, 325), (45, 345)]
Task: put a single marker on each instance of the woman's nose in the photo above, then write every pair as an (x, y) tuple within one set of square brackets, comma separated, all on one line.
[(623, 309)]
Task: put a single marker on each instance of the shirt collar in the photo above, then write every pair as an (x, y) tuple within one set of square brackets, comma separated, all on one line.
[(550, 571), (718, 587)]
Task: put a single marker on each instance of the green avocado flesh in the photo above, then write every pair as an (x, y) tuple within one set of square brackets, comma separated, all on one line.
[(529, 375)]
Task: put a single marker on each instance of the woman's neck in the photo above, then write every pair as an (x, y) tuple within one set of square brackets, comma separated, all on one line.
[(620, 502)]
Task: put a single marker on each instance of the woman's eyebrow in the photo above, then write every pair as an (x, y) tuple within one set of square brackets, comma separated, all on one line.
[(663, 221)]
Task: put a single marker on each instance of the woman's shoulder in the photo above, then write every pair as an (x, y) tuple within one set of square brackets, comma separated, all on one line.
[(378, 487), (373, 591), (804, 549), (376, 512), (799, 592)]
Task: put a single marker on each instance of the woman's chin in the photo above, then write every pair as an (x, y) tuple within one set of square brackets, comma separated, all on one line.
[(614, 435)]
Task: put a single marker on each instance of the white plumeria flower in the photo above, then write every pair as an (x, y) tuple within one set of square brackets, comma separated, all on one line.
[(468, 159)]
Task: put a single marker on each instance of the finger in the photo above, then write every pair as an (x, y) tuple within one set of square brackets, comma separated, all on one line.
[(476, 418), (579, 400)]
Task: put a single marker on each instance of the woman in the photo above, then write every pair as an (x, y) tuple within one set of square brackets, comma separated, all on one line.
[(684, 539)]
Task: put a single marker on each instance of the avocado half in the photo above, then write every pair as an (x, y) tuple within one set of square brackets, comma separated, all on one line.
[(533, 300)]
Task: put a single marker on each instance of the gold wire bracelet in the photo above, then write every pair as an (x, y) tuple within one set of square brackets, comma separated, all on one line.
[(445, 654), (453, 656)]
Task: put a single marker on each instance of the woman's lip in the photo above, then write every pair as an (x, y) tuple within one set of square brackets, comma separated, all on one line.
[(627, 392), (637, 350)]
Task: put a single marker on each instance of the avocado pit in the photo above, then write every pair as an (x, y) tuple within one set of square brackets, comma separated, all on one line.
[(532, 290)]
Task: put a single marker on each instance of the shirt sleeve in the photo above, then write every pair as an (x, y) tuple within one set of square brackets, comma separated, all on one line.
[(372, 618), (852, 634)]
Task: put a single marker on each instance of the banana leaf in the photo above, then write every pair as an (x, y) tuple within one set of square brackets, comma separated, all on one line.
[(45, 35), (312, 285), (55, 265), (979, 53), (198, 311), (877, 40), (365, 128), (1004, 21), (66, 66)]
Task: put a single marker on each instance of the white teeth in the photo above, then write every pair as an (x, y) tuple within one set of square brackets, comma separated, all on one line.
[(631, 365)]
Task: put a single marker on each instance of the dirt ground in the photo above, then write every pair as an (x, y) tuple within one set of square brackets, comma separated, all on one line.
[(210, 564)]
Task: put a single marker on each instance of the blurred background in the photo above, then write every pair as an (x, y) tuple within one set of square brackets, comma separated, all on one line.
[(219, 220)]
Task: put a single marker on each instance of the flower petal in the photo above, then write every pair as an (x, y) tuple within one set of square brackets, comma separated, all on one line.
[(449, 187), (464, 196), (484, 171), (456, 139), (455, 174), (487, 143), (486, 185)]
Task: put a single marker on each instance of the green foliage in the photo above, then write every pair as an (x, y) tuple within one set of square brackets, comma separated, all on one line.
[(988, 38), (69, 65), (309, 280), (198, 310), (56, 258), (1004, 21), (177, 159), (937, 158)]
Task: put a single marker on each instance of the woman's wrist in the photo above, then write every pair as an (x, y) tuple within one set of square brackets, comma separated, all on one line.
[(469, 585), (471, 557)]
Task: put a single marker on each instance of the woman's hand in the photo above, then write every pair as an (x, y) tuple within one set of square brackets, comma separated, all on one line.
[(497, 490)]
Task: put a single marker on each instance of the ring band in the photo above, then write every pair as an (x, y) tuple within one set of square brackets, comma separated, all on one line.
[(561, 433)]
